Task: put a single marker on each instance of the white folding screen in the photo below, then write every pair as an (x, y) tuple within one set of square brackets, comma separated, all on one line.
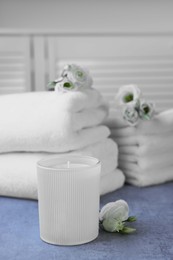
[(117, 60), (15, 64), (29, 62)]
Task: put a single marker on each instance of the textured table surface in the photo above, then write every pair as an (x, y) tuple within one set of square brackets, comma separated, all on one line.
[(153, 206)]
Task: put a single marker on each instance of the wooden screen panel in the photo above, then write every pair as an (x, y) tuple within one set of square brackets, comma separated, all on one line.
[(115, 61), (15, 64)]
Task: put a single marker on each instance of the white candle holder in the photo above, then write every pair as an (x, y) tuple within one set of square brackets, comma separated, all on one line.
[(68, 193)]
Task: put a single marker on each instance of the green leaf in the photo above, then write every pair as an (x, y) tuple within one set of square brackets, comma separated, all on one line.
[(112, 225), (131, 219), (147, 117), (52, 84), (127, 230)]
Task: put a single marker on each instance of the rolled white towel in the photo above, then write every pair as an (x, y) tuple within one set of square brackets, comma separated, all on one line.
[(112, 181), (18, 177), (46, 121), (142, 178)]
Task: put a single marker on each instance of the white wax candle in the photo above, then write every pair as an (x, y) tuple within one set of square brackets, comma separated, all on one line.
[(68, 192), (70, 165)]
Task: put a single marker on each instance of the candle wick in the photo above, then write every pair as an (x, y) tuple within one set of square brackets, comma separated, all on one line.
[(68, 164)]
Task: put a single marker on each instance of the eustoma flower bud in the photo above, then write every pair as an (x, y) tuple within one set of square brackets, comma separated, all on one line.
[(130, 114), (118, 210), (114, 215), (146, 110)]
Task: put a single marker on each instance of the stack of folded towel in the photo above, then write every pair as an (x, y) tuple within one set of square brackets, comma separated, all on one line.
[(145, 150), (40, 124)]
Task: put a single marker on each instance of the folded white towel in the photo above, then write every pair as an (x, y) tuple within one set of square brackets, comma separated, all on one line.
[(115, 121), (153, 146), (146, 150), (112, 181), (129, 150), (106, 151), (138, 177), (146, 142), (151, 162), (124, 131), (46, 121), (18, 176), (154, 161), (146, 160), (25, 185), (161, 123)]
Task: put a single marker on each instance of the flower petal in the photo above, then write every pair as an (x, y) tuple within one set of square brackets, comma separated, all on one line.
[(118, 210), (127, 94)]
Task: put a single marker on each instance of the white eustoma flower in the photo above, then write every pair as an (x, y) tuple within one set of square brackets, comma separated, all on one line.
[(117, 210), (127, 94), (146, 110), (130, 114), (78, 75), (64, 85)]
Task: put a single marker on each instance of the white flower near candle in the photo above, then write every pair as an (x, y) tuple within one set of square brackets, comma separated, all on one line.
[(118, 210), (114, 215), (146, 110), (127, 94)]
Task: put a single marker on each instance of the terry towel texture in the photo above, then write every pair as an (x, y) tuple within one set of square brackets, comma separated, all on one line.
[(46, 121), (41, 124), (19, 178), (146, 150), (161, 123)]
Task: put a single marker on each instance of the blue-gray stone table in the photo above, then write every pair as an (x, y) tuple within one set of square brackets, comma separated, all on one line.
[(153, 206)]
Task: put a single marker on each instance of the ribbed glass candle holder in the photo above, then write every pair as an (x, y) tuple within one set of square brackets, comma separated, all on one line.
[(68, 194)]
